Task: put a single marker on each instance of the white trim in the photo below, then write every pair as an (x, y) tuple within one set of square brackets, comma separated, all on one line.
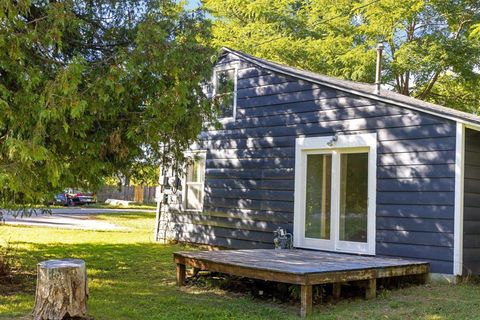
[(234, 67), (335, 145), (459, 183), (202, 154), (159, 201), (473, 127)]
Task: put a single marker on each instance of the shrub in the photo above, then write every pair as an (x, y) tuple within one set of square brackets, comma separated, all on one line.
[(6, 259)]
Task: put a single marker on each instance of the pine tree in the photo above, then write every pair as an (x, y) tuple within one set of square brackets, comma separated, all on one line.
[(87, 87)]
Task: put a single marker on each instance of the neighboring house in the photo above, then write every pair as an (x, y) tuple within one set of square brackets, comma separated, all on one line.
[(342, 168)]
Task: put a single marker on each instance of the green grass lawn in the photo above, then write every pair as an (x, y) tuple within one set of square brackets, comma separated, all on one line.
[(133, 205), (130, 277)]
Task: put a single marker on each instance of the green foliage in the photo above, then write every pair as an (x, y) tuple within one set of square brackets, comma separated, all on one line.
[(425, 40), (88, 87)]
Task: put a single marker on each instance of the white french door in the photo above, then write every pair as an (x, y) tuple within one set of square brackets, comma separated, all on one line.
[(335, 187)]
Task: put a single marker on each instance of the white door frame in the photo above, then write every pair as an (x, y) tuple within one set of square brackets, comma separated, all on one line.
[(335, 145)]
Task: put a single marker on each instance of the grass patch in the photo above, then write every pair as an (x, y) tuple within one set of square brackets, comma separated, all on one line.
[(134, 205), (130, 277)]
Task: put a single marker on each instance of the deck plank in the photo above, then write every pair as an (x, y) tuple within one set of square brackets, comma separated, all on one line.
[(298, 261), (303, 267)]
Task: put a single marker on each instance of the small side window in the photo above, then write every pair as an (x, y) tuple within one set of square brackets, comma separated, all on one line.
[(194, 183), (225, 92)]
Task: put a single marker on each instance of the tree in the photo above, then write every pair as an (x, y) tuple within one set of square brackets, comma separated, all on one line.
[(88, 86), (427, 41)]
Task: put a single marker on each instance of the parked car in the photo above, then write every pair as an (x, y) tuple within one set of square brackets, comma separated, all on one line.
[(74, 197)]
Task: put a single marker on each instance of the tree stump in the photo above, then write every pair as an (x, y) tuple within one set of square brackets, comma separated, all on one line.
[(62, 290)]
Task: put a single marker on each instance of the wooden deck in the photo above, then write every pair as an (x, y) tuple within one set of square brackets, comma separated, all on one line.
[(303, 267)]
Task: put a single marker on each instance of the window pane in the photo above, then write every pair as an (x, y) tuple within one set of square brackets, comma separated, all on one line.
[(318, 195), (225, 81), (194, 183), (194, 198), (225, 87), (196, 170), (354, 197), (226, 105)]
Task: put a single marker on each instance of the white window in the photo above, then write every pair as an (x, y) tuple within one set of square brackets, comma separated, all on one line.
[(194, 183), (335, 192), (225, 92)]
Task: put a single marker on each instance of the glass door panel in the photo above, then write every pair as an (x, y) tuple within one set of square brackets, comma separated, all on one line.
[(353, 215), (318, 196)]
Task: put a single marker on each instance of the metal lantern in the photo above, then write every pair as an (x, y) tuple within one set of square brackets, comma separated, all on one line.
[(282, 239)]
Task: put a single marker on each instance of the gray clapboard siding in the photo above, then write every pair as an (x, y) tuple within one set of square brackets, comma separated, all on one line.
[(399, 129), (274, 89), (228, 222), (250, 166), (348, 123), (472, 184), (253, 204), (415, 197), (418, 251), (416, 224), (249, 194), (252, 72), (279, 173), (325, 103), (245, 83), (417, 185), (417, 212), (251, 184), (471, 225), (361, 112), (240, 234), (414, 237), (417, 171), (230, 242), (251, 163), (256, 215), (431, 254), (325, 127), (416, 158)]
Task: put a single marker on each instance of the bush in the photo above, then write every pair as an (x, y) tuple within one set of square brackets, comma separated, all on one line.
[(6, 260)]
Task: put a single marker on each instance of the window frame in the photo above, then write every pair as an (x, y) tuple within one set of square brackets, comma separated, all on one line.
[(335, 145), (185, 184), (224, 68)]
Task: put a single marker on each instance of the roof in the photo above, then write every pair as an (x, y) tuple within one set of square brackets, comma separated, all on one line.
[(362, 89)]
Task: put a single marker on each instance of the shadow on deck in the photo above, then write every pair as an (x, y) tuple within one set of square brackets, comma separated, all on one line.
[(303, 267)]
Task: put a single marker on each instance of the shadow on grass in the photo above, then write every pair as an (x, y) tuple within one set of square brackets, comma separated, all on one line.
[(137, 281)]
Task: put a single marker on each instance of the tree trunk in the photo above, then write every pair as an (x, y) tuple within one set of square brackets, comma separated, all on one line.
[(62, 290)]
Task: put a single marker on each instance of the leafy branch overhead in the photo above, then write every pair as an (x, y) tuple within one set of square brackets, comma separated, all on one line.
[(432, 52), (88, 87)]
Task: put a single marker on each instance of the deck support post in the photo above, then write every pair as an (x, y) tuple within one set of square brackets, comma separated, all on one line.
[(337, 290), (195, 271), (181, 273), (423, 278), (305, 300), (371, 289)]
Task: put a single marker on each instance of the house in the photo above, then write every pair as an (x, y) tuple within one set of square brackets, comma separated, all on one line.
[(341, 167)]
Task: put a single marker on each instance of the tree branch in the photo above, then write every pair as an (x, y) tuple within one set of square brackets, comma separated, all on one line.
[(429, 87)]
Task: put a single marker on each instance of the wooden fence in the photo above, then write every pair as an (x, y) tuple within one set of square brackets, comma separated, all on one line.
[(128, 193)]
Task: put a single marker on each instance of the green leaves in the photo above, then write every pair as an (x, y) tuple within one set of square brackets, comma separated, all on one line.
[(86, 87)]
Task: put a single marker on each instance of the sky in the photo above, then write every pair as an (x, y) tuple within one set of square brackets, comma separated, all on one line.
[(192, 4)]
